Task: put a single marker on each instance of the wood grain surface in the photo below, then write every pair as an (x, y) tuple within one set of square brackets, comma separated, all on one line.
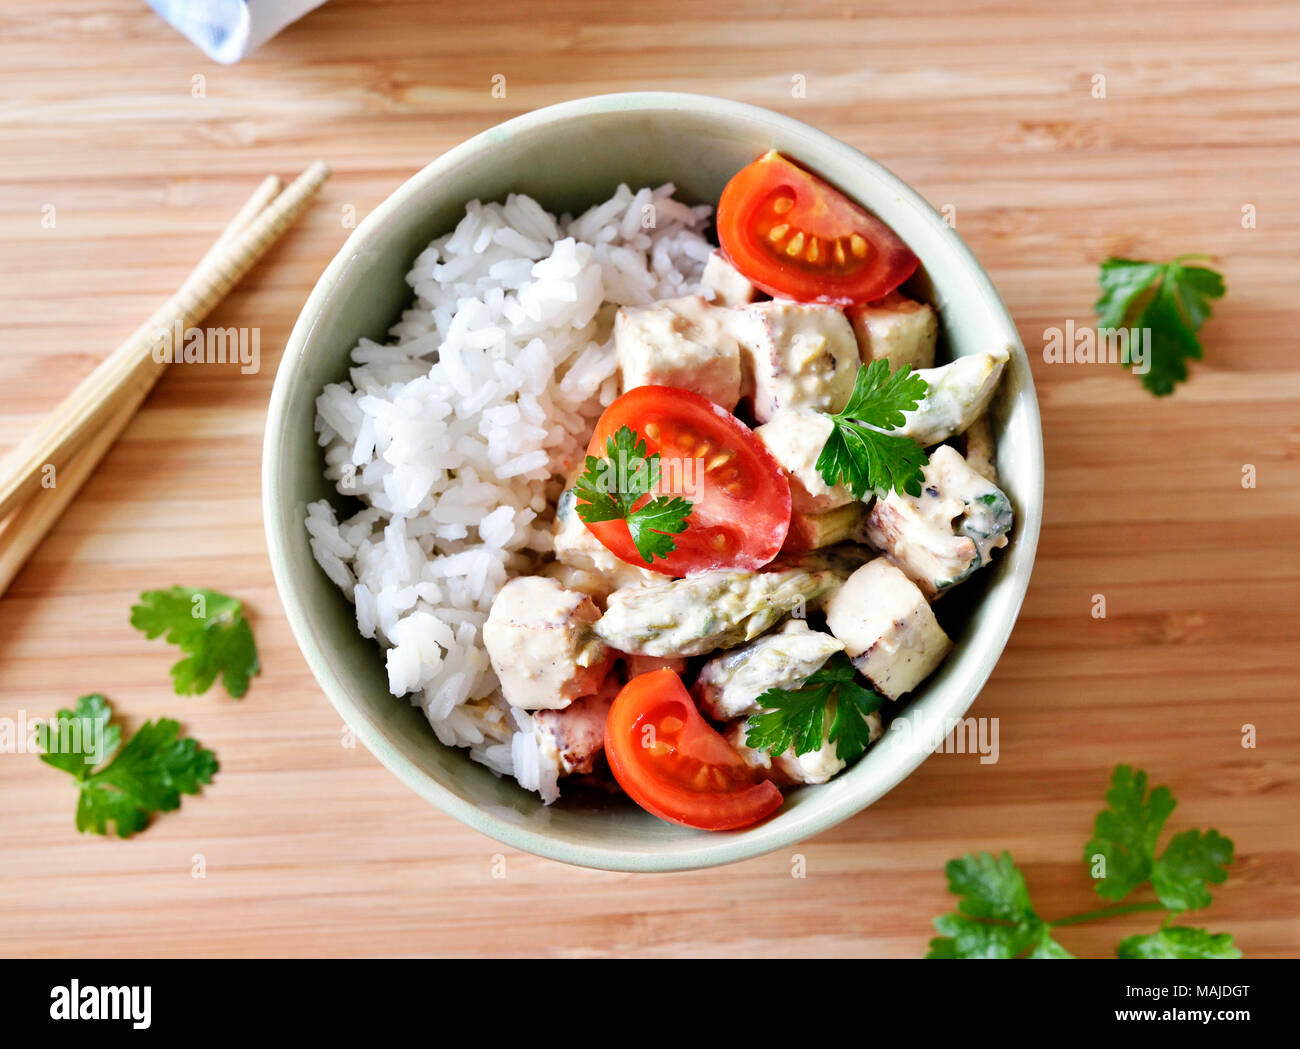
[(313, 848)]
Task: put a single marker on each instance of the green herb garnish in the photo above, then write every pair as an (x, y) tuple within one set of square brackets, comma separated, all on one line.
[(1171, 299), (794, 717), (995, 919), (617, 488), (858, 452), (1125, 836), (1179, 941), (210, 629), (147, 775)]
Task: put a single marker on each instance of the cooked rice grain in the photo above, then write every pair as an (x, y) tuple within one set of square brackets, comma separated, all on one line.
[(456, 435)]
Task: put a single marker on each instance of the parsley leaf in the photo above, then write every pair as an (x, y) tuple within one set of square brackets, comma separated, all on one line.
[(990, 887), (653, 526), (1190, 863), (77, 740), (147, 775), (858, 452), (610, 489), (1126, 832), (1171, 299), (1179, 941), (994, 918), (966, 938), (794, 717), (210, 629)]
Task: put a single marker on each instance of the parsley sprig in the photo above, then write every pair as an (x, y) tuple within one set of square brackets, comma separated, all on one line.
[(995, 918), (1125, 837), (860, 453), (209, 628), (794, 717), (616, 488), (122, 786), (1171, 298)]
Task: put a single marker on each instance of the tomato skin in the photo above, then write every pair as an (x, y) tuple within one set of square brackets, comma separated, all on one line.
[(740, 508), (797, 237), (688, 774)]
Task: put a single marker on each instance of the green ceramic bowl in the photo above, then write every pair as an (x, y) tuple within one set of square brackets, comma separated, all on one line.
[(570, 156)]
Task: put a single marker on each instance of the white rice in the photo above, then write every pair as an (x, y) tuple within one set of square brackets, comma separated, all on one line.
[(457, 435)]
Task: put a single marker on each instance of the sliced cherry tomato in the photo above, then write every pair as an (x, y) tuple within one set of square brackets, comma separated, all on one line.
[(797, 237), (673, 763), (739, 495)]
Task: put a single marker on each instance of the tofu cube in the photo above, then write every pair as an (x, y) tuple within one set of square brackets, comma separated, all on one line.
[(795, 440), (888, 628), (538, 637), (730, 286), (942, 536), (679, 342), (897, 329), (798, 356)]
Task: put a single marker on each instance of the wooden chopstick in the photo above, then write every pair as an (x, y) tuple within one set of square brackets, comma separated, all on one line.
[(252, 207), (25, 527), (130, 371)]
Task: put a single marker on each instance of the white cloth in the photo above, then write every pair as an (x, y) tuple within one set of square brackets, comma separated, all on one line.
[(227, 30)]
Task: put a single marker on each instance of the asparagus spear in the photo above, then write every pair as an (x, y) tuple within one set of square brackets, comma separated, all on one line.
[(708, 611)]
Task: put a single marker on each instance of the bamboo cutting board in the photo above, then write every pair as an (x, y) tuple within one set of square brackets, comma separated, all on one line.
[(123, 151)]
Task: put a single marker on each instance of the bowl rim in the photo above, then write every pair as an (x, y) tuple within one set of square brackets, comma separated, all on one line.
[(713, 849)]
